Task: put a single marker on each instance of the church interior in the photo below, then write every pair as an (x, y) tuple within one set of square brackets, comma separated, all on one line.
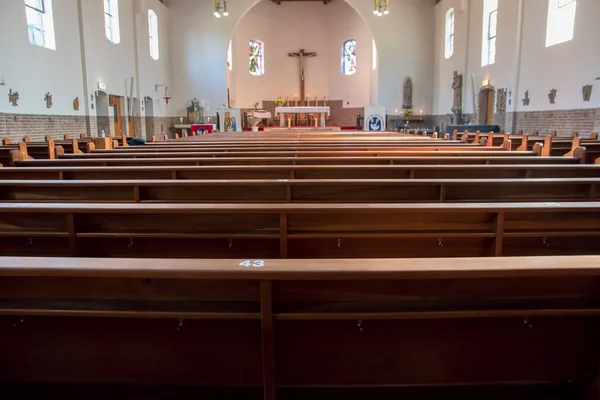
[(299, 199)]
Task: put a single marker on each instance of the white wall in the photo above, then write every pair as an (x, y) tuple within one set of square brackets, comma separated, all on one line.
[(199, 45), (33, 70), (404, 40), (153, 72), (566, 67), (523, 62)]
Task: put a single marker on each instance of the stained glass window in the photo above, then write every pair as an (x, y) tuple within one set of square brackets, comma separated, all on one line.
[(349, 57), (256, 52)]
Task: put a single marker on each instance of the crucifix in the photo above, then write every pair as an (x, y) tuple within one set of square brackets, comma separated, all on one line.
[(300, 55)]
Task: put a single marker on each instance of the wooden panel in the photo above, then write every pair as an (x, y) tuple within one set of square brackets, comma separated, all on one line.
[(183, 224), (389, 248), (528, 191), (131, 351), (390, 222), (214, 193), (180, 247), (432, 352)]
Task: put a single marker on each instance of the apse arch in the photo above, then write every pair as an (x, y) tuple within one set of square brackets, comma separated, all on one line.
[(279, 79)]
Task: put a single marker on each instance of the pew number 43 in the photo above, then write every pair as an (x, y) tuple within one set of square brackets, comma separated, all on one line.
[(253, 263)]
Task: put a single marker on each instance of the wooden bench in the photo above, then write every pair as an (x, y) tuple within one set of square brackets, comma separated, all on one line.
[(472, 322), (295, 147), (300, 230), (438, 159), (302, 190), (10, 153), (516, 171)]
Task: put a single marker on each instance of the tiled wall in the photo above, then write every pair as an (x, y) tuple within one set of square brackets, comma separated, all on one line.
[(564, 122), (16, 126), (37, 127)]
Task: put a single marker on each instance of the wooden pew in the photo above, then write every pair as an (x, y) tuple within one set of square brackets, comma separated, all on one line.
[(293, 146), (438, 159), (258, 231), (395, 322), (302, 190), (516, 171), (43, 150), (10, 153), (422, 152)]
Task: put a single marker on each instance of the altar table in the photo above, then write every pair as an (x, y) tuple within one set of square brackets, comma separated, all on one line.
[(281, 111)]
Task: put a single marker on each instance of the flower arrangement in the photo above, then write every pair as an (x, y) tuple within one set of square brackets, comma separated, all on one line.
[(279, 102), (408, 113)]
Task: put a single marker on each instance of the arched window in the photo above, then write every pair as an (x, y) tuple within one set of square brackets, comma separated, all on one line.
[(561, 21), (229, 57), (490, 23), (349, 57), (153, 34), (374, 56), (111, 21), (40, 23), (256, 53), (449, 42)]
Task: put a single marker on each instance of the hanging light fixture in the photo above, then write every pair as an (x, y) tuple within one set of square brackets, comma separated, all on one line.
[(381, 7), (220, 11)]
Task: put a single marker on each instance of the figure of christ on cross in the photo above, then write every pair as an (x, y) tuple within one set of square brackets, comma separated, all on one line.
[(300, 56)]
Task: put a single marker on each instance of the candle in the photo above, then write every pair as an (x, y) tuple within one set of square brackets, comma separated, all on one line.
[(289, 122), (316, 122)]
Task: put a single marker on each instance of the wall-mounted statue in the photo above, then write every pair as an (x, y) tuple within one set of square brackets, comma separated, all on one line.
[(526, 99), (501, 100), (13, 97), (457, 86), (76, 104), (552, 96), (48, 100), (407, 94), (587, 92)]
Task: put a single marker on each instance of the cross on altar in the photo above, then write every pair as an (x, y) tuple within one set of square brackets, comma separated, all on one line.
[(300, 56)]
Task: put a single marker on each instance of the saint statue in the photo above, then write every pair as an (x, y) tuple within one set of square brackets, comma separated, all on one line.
[(407, 94), (457, 86)]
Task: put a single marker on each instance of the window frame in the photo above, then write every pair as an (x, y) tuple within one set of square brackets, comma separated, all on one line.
[(153, 35), (559, 18), (491, 53), (449, 33), (112, 21), (489, 40), (40, 23)]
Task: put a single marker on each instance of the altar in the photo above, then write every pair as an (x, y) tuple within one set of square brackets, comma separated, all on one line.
[(282, 111)]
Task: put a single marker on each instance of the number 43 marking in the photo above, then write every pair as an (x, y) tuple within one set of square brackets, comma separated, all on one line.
[(253, 263)]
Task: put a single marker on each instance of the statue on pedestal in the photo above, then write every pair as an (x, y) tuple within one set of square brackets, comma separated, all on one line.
[(407, 94), (457, 86)]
